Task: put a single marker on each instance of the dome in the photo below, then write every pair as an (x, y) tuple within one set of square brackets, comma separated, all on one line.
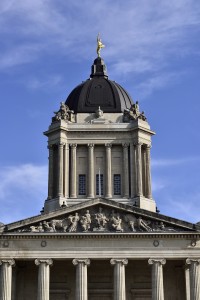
[(97, 91)]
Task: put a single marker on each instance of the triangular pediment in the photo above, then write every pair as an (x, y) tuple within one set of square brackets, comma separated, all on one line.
[(100, 216)]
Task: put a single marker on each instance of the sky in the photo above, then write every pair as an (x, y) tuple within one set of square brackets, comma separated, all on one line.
[(152, 49)]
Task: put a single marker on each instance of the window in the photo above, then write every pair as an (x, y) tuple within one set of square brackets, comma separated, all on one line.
[(117, 184), (82, 184), (99, 184)]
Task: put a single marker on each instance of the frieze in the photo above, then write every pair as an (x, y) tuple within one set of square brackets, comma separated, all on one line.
[(99, 220)]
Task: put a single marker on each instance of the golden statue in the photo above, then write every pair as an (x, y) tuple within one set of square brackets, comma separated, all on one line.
[(99, 45)]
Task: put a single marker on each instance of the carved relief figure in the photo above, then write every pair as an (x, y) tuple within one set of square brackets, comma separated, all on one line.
[(73, 222), (141, 224), (86, 221), (64, 113), (117, 223), (59, 225), (101, 220)]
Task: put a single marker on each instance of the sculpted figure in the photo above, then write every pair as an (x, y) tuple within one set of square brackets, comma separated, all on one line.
[(47, 227), (99, 45), (143, 225), (117, 223), (101, 219), (132, 225), (86, 221), (59, 225), (73, 222)]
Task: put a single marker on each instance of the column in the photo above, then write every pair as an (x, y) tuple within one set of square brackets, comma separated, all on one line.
[(60, 170), (125, 171), (90, 170), (81, 278), (157, 278), (187, 282), (132, 170), (119, 278), (50, 180), (43, 278), (66, 171), (139, 170), (148, 173), (108, 181), (194, 278), (6, 278), (73, 172)]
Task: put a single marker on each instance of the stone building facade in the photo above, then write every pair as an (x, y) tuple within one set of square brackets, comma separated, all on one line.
[(99, 235)]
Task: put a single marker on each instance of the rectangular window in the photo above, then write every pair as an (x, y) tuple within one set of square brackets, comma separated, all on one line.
[(117, 184), (82, 184), (99, 184)]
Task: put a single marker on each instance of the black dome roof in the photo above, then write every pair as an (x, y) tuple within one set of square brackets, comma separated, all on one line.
[(98, 91)]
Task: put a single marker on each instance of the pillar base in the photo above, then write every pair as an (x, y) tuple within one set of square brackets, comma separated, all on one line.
[(144, 203)]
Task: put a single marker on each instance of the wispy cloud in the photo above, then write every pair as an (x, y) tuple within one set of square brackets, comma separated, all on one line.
[(168, 162), (144, 37), (23, 189), (49, 81)]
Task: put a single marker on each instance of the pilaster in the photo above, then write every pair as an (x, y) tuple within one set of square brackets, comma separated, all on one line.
[(125, 171), (73, 171), (90, 170)]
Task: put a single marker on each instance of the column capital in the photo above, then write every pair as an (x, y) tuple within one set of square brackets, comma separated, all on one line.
[(190, 261), (160, 261), (148, 147), (60, 144), (91, 145), (77, 261), (115, 261), (47, 261), (73, 145), (11, 262), (125, 145), (108, 145)]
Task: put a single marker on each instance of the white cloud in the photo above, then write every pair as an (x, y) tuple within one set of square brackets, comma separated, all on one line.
[(23, 189), (173, 162), (49, 81)]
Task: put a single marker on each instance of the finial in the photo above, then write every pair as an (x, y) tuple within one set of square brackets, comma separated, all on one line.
[(99, 45)]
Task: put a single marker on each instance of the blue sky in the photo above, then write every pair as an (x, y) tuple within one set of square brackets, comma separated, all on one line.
[(152, 49)]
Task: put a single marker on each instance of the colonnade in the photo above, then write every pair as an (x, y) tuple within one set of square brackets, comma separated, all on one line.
[(81, 278), (136, 173)]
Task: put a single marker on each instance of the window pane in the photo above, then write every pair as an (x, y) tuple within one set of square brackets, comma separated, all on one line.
[(117, 184), (101, 184), (82, 184)]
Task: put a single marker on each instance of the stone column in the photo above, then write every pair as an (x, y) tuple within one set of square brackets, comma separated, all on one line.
[(125, 171), (50, 180), (133, 170), (66, 171), (6, 278), (157, 278), (194, 277), (119, 278), (148, 173), (73, 193), (90, 170), (108, 182), (43, 278), (81, 278), (139, 170), (187, 282), (60, 170)]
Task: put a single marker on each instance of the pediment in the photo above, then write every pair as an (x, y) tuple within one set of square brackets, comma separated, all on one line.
[(100, 216)]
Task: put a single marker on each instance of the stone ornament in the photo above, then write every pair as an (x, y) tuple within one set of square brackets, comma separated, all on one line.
[(77, 261), (64, 113), (115, 261), (98, 219), (47, 261), (133, 113), (10, 262), (160, 261)]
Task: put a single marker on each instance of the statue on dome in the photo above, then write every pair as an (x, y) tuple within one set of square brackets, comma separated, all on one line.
[(99, 45)]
